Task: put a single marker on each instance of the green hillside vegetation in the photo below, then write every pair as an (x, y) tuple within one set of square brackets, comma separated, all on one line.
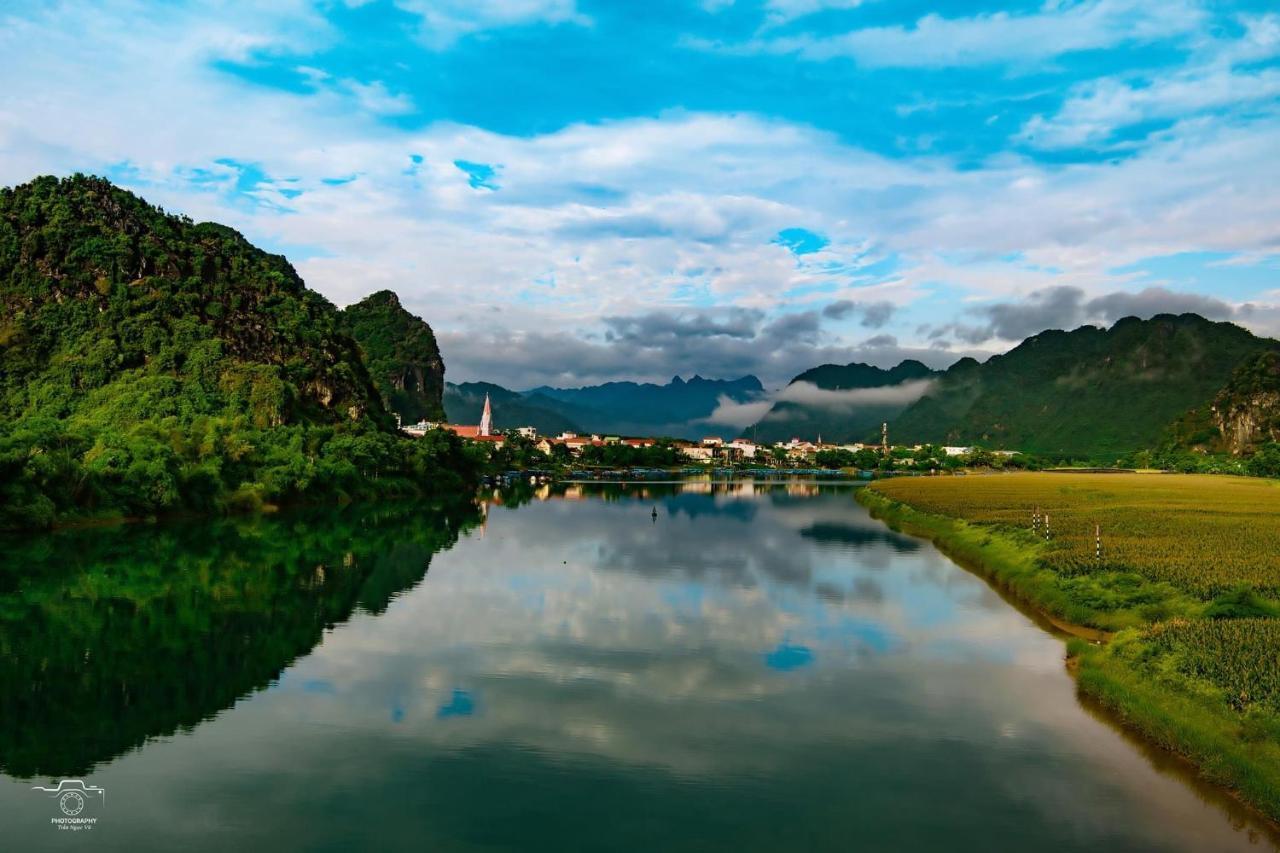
[(1089, 393), (856, 422), (401, 354), (149, 364)]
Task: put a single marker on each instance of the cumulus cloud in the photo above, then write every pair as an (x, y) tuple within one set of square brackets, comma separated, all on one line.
[(730, 412), (521, 359), (1220, 77), (993, 37), (874, 314)]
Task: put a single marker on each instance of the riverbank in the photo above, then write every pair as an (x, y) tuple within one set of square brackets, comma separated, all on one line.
[(1145, 666)]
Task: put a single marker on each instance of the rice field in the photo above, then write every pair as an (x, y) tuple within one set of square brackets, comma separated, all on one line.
[(1205, 535), (1238, 656)]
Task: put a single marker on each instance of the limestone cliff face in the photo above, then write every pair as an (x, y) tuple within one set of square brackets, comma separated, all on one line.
[(402, 355), (1247, 411)]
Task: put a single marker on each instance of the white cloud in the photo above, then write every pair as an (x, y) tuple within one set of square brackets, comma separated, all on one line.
[(1097, 108), (613, 218), (445, 21), (996, 37), (742, 415)]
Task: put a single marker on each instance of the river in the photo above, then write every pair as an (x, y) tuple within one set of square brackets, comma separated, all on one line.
[(754, 667)]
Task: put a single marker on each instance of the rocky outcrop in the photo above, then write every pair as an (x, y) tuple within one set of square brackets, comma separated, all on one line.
[(1247, 411)]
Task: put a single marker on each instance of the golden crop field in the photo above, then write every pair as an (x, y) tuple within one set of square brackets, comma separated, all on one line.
[(1203, 534), (1236, 655)]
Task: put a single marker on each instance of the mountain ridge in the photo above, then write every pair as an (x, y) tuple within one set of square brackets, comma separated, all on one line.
[(1085, 392)]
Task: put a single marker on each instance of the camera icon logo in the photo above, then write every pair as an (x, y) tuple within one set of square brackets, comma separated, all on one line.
[(73, 795)]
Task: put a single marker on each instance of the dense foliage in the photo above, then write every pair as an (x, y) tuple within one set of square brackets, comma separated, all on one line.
[(1090, 393), (150, 364), (401, 353), (660, 455)]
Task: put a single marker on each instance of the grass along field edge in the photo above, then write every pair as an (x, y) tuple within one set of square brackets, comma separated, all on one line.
[(1186, 716), (1241, 754)]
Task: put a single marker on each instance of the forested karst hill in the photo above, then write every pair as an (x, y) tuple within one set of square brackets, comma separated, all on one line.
[(1240, 418), (1087, 392), (401, 353), (149, 363)]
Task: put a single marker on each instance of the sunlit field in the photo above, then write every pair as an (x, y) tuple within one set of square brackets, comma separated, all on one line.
[(1205, 535)]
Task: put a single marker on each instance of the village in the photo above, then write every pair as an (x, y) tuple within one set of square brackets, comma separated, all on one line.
[(709, 451)]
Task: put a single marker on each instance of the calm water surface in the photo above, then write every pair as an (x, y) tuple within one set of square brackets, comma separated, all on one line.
[(758, 668)]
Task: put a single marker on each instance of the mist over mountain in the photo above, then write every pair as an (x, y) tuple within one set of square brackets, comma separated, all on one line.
[(842, 403)]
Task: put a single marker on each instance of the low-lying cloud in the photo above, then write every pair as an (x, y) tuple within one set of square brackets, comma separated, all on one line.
[(732, 413)]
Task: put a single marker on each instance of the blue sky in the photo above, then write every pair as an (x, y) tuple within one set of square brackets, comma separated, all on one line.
[(770, 183)]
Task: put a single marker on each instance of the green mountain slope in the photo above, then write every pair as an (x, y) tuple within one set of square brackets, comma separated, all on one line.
[(150, 364), (401, 353), (838, 420), (1089, 393), (1241, 417)]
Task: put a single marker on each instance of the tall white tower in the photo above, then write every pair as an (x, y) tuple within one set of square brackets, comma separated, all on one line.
[(486, 419)]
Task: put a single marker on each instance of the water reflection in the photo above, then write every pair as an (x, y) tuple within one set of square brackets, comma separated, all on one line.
[(112, 636), (763, 667)]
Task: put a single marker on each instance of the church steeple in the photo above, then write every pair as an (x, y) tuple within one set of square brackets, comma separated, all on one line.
[(486, 419)]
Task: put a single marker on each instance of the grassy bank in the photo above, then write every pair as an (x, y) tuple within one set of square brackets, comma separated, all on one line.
[(1193, 660)]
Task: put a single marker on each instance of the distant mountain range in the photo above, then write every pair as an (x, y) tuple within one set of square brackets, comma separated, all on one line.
[(1170, 381), (463, 404), (679, 409)]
